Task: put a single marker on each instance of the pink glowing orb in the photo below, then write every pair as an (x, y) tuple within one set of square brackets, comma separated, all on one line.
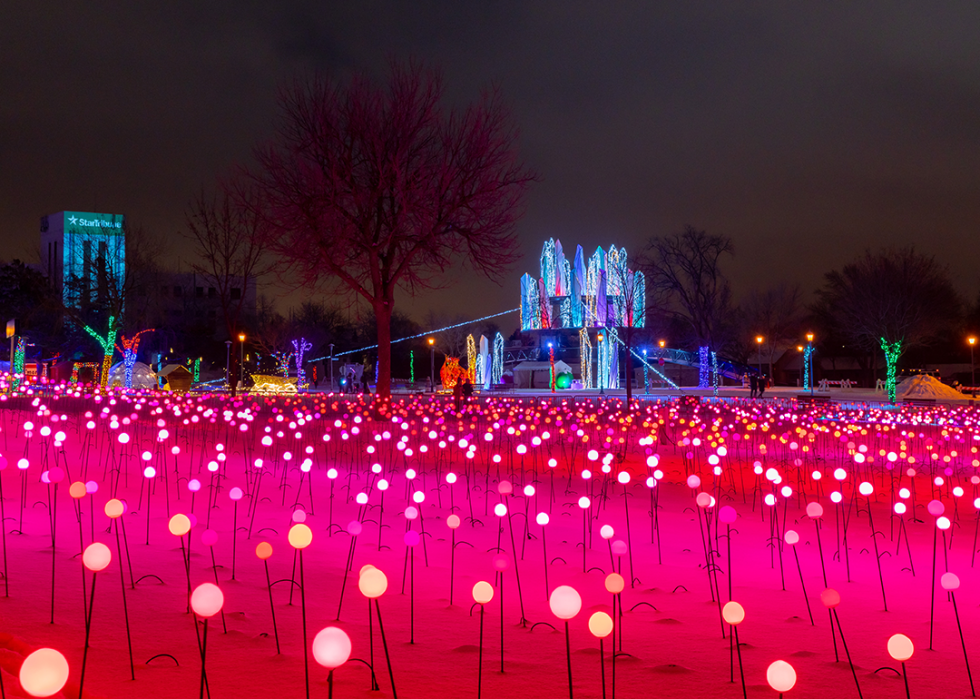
[(179, 524), (623, 477), (56, 475), (354, 528), (615, 583), (482, 592), (792, 538), (584, 503), (727, 515), (949, 581), (500, 509), (830, 598), (264, 550), (114, 508), (505, 488), (44, 673), (943, 523), (236, 493), (300, 536), (606, 531), (412, 538), (565, 602), (600, 624), (542, 519), (331, 647), (207, 600), (619, 547), (372, 583), (733, 613), (209, 537), (693, 482), (935, 508), (453, 521), (412, 512), (781, 676), (900, 647), (866, 488), (299, 516), (96, 557), (501, 562)]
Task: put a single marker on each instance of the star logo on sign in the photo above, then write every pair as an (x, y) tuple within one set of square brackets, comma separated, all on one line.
[(73, 219)]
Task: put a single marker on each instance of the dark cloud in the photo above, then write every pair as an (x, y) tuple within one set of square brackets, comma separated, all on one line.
[(806, 132)]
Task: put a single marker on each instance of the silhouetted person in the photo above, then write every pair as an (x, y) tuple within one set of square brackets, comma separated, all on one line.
[(753, 385), (762, 385), (458, 395), (467, 390)]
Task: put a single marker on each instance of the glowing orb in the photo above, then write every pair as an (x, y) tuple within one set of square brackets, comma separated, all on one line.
[(733, 613), (331, 647), (372, 583), (207, 600), (781, 676), (482, 592), (44, 673), (600, 624), (900, 647), (565, 602), (96, 557)]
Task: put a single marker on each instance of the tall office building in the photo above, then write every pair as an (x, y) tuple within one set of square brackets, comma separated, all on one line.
[(84, 254)]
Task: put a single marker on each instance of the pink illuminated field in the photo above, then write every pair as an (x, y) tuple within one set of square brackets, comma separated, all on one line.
[(694, 503)]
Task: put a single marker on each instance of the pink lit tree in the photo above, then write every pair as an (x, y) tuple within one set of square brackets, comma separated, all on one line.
[(368, 188)]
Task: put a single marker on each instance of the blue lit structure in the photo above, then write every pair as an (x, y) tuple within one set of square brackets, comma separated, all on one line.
[(84, 255)]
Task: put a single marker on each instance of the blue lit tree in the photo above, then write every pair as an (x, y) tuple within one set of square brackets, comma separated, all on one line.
[(892, 300)]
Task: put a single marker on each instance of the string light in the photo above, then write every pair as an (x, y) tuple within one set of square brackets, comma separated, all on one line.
[(893, 350), (108, 344), (301, 346), (703, 355), (497, 371)]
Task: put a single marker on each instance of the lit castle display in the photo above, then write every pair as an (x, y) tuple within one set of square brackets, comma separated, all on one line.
[(603, 294)]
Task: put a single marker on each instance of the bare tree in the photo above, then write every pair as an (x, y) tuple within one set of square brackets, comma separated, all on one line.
[(775, 314), (893, 299), (229, 250), (684, 274), (369, 189)]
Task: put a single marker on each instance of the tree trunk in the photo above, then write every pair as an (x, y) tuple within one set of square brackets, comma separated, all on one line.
[(382, 316)]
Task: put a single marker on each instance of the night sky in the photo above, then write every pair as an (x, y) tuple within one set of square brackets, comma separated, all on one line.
[(805, 132)]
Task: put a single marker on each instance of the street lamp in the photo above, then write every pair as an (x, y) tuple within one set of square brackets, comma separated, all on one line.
[(646, 382), (432, 365), (758, 342), (241, 368), (228, 362), (809, 358), (973, 372), (599, 339)]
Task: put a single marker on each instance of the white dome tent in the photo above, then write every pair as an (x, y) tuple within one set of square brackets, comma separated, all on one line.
[(143, 376)]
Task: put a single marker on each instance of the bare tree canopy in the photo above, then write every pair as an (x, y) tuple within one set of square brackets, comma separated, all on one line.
[(684, 275), (369, 188), (892, 299), (776, 314), (229, 249)]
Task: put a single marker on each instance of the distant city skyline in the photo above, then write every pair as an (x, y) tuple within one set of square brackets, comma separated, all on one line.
[(806, 133)]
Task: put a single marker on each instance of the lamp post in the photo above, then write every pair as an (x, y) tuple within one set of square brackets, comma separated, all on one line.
[(646, 382), (241, 367), (663, 355), (758, 342), (432, 365), (331, 366), (973, 370), (599, 379), (809, 358), (228, 362)]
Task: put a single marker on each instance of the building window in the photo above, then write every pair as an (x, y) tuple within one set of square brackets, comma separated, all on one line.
[(236, 293), (200, 292), (212, 292)]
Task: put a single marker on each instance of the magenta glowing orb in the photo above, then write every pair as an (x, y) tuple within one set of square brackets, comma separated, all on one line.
[(565, 602), (331, 647), (207, 600), (44, 672), (96, 556), (781, 676)]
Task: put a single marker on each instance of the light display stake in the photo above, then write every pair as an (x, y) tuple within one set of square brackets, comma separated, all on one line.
[(411, 364), (498, 358), (471, 358), (646, 379), (197, 370), (551, 357), (704, 354), (714, 372), (301, 346), (585, 357), (893, 350)]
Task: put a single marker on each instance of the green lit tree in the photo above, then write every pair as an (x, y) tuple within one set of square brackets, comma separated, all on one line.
[(891, 300)]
